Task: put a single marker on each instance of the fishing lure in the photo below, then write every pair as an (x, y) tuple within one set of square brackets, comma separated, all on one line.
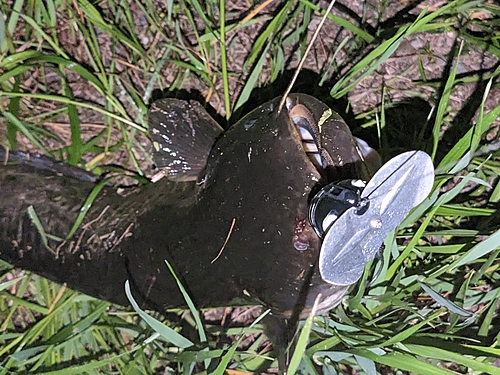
[(353, 219)]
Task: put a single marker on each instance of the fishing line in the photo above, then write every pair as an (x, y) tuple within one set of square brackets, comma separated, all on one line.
[(390, 175), (306, 53)]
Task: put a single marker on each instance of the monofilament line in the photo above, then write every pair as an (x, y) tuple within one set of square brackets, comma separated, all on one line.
[(303, 60)]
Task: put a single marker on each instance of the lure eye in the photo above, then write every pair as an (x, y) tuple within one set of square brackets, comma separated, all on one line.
[(332, 201)]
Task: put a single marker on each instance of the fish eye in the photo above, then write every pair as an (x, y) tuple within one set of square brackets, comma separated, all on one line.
[(332, 201), (300, 246)]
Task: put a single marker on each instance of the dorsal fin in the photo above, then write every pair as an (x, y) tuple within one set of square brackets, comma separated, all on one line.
[(183, 134)]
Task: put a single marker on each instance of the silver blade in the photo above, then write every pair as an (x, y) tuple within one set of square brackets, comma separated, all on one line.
[(354, 239)]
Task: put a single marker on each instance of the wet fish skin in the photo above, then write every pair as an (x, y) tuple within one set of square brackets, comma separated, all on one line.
[(257, 176), (193, 130), (92, 261)]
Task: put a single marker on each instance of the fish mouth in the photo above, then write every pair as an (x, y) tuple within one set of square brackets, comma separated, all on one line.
[(308, 131), (328, 142)]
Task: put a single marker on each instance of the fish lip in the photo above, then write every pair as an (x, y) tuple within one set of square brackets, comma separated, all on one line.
[(303, 125)]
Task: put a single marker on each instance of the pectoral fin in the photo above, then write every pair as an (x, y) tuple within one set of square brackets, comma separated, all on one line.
[(183, 134)]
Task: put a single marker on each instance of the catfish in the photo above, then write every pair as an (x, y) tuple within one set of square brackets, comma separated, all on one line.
[(230, 215)]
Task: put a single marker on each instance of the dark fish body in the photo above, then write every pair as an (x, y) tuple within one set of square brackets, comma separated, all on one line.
[(93, 260), (239, 235)]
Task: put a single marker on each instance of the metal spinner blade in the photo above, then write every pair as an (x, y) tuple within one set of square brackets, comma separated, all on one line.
[(355, 237)]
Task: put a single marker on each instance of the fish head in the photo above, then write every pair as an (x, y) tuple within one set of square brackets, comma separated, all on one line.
[(258, 183), (282, 212)]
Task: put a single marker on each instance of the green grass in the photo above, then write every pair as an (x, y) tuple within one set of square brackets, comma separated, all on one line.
[(76, 78)]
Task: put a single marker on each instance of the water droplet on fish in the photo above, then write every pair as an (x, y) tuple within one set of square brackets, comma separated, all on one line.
[(247, 125)]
